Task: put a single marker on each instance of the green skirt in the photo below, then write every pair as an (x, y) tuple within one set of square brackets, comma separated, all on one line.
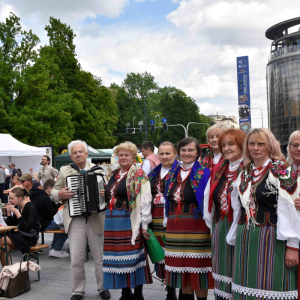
[(222, 259), (259, 268)]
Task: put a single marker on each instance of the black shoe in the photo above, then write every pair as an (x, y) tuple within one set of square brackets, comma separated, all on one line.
[(126, 294), (105, 295), (171, 293), (138, 293), (76, 297)]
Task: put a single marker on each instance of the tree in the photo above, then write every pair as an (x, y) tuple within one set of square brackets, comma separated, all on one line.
[(42, 113), (61, 39), (178, 108), (45, 96), (16, 54), (143, 88), (127, 109), (97, 120)]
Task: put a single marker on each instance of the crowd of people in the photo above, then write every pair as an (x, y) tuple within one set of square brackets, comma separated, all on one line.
[(228, 222)]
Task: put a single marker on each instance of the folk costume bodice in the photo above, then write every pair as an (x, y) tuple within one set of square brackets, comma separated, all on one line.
[(115, 191), (264, 200), (221, 186), (182, 194), (158, 183)]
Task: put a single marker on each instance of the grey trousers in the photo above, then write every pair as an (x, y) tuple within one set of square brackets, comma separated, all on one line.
[(79, 233)]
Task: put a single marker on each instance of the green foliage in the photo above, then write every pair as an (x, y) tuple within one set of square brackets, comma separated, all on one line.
[(16, 54), (167, 102), (45, 96), (179, 108)]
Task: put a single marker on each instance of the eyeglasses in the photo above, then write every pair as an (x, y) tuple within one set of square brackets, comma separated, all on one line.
[(189, 150), (294, 145)]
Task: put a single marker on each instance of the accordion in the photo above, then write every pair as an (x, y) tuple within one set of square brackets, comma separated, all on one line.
[(86, 200)]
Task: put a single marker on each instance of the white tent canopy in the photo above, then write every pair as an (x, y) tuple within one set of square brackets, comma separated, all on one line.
[(22, 155)]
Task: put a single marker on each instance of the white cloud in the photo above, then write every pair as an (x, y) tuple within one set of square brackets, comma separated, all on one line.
[(197, 55), (70, 10), (5, 11)]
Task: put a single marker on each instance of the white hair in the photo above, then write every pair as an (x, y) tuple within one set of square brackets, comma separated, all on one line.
[(73, 143), (295, 134), (218, 126)]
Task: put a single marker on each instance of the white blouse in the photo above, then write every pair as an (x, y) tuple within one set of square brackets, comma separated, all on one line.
[(217, 158)]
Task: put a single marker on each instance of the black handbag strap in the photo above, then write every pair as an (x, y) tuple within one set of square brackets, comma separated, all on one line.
[(22, 261)]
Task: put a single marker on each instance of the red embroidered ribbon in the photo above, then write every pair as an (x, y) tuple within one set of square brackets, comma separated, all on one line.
[(178, 210), (112, 204)]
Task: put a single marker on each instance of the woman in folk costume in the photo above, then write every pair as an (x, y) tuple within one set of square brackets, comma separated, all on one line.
[(218, 214), (266, 224), (215, 157), (188, 240), (293, 150), (128, 194), (157, 177)]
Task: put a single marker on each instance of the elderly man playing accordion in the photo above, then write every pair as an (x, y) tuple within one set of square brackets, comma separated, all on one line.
[(81, 229)]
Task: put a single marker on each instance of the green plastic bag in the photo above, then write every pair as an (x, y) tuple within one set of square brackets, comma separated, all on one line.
[(154, 249)]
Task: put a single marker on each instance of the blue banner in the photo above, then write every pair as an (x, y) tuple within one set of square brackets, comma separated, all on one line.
[(244, 93)]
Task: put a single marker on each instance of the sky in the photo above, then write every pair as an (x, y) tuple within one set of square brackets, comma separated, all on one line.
[(189, 44)]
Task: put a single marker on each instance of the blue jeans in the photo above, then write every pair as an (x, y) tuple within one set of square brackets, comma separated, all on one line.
[(59, 238)]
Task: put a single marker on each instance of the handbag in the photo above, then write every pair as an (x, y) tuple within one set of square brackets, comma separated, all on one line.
[(20, 284), (154, 248)]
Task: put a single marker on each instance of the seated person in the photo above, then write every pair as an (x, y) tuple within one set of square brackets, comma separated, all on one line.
[(26, 217), (15, 183), (43, 204), (59, 238)]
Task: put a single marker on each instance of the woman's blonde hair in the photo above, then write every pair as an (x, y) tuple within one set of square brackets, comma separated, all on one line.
[(221, 127), (167, 144), (128, 146), (295, 134), (268, 138)]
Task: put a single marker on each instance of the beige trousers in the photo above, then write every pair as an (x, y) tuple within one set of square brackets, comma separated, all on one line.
[(79, 233)]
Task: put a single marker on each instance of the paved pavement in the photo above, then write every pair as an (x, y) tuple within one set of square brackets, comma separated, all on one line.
[(55, 281)]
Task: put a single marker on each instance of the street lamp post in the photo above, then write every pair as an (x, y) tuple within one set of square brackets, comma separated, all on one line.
[(187, 127)]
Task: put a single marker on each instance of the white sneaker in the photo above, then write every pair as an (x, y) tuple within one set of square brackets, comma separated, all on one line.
[(58, 254)]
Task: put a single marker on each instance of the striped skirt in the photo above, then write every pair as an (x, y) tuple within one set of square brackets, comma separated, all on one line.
[(222, 259), (259, 266), (124, 264), (159, 231), (188, 252)]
